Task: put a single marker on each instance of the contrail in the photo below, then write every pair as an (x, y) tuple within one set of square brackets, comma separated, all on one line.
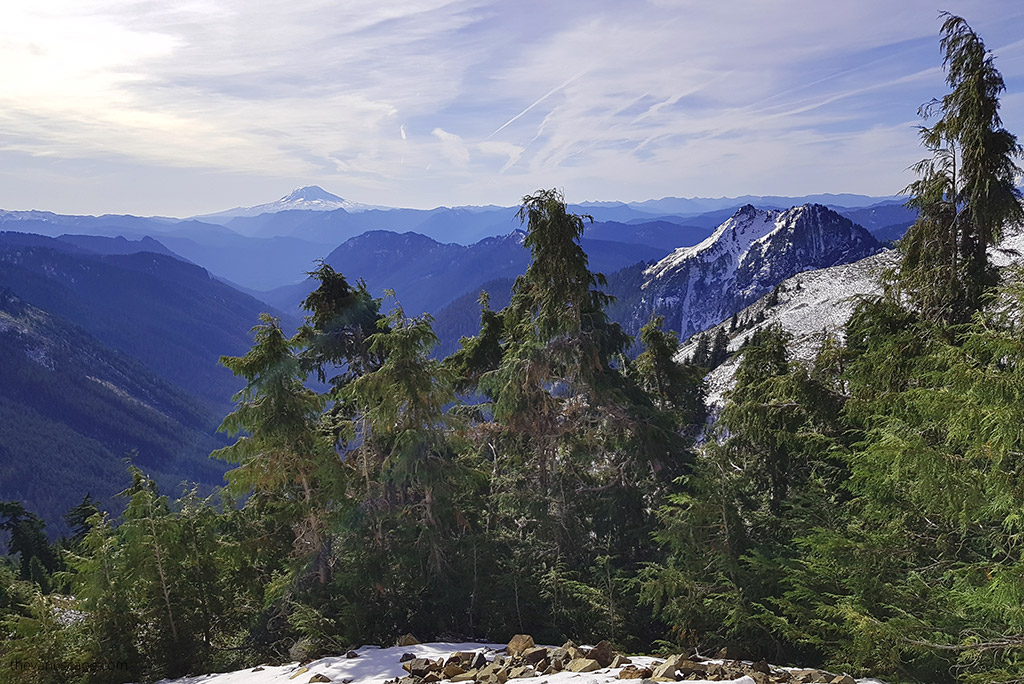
[(544, 97)]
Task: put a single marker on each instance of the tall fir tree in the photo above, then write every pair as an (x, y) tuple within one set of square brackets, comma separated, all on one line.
[(966, 193)]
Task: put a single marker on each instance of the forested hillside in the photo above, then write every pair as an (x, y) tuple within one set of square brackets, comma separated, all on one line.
[(170, 315), (110, 355), (72, 409), (859, 511)]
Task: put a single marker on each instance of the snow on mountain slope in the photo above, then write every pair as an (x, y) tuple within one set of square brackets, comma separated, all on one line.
[(815, 303), (308, 198), (810, 305), (748, 255)]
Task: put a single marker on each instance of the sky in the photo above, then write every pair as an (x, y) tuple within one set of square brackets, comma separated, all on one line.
[(184, 107)]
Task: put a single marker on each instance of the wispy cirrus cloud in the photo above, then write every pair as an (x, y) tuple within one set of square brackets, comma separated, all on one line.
[(427, 102)]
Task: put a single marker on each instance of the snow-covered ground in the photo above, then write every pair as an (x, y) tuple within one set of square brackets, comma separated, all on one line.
[(378, 665)]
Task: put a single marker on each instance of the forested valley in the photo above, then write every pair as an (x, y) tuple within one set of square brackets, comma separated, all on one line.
[(862, 512)]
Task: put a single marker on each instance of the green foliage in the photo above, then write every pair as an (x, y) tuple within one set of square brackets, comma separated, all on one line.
[(337, 329), (761, 482), (861, 511), (966, 192), (27, 538)]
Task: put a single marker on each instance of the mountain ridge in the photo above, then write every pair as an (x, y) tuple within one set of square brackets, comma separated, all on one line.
[(747, 255)]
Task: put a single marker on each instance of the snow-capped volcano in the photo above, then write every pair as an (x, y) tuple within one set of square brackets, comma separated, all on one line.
[(745, 258), (308, 198)]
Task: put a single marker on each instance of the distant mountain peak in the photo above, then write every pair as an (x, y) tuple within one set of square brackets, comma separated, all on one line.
[(306, 198), (311, 193)]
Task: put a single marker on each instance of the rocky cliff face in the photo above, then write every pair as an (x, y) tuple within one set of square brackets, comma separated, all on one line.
[(744, 259)]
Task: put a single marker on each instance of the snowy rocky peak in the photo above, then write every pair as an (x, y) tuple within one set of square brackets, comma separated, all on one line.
[(732, 239), (744, 259), (808, 306)]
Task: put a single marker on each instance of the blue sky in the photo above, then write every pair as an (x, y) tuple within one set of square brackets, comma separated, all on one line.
[(191, 106)]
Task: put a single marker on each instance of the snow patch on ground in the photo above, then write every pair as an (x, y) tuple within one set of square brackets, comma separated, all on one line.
[(377, 665)]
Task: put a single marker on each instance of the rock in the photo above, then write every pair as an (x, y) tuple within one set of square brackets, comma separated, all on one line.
[(634, 672), (522, 672), (431, 678), (419, 667), (351, 654), (843, 679), (716, 671), (468, 660), (761, 666), (406, 656), (573, 650), (687, 667), (467, 676), (583, 665), (407, 640), (492, 673), (558, 657), (534, 654), (728, 653), (258, 668), (519, 644), (298, 672), (666, 672), (451, 670), (620, 661), (602, 653), (319, 678)]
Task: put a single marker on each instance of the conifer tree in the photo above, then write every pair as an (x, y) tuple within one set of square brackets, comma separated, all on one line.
[(577, 451), (28, 540), (335, 332), (966, 192), (702, 352), (77, 519), (282, 452), (761, 482), (719, 349)]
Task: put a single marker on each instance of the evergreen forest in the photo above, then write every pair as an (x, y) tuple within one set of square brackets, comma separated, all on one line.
[(864, 512)]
